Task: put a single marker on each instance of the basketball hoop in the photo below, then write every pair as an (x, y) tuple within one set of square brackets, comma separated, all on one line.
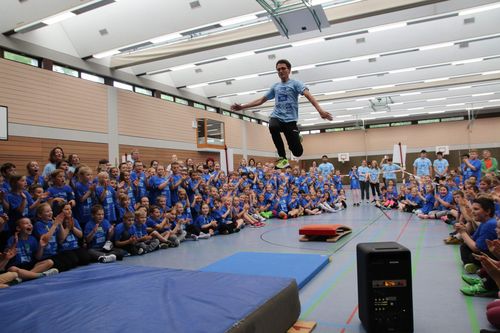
[(343, 157)]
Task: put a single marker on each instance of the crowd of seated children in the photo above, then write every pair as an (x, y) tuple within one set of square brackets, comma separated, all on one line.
[(64, 217)]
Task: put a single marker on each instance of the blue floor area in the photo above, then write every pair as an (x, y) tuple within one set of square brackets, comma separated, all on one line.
[(330, 298), (301, 267)]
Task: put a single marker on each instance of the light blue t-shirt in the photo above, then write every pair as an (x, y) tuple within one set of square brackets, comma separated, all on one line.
[(389, 169), (362, 171), (422, 165), (440, 165), (326, 168), (286, 107)]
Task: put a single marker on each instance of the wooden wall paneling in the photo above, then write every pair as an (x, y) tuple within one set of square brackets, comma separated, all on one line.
[(21, 150), (44, 98)]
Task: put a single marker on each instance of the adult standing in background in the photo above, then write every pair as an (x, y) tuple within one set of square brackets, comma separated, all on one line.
[(325, 168), (364, 182), (440, 166), (389, 170), (56, 155), (134, 156), (422, 165), (489, 164)]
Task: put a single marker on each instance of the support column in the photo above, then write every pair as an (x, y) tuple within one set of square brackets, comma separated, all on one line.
[(113, 145)]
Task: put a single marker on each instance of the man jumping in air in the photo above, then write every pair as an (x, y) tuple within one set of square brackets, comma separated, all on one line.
[(286, 111)]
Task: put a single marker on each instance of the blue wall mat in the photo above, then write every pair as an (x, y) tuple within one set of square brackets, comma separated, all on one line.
[(301, 267)]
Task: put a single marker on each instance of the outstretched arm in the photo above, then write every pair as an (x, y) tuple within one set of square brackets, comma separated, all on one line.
[(314, 102), (257, 102)]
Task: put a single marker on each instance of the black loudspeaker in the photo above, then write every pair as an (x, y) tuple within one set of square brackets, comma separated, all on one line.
[(384, 287)]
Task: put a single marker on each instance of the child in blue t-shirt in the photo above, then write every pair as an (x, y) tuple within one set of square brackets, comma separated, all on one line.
[(205, 225), (84, 195), (19, 201), (98, 234), (69, 237), (427, 202), (106, 196), (125, 235), (145, 241), (28, 252), (59, 192)]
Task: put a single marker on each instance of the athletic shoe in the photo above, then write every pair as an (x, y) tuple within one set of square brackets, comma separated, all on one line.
[(452, 241), (194, 237), (471, 280), (477, 290), (108, 246), (471, 268), (15, 281), (282, 163), (50, 272), (140, 251), (203, 235), (164, 246), (106, 259)]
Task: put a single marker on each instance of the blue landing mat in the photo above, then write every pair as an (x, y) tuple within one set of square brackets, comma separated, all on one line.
[(301, 267), (117, 298)]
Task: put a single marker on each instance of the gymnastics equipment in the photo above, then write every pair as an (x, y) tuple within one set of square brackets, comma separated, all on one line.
[(178, 301), (295, 16), (323, 232), (301, 267), (385, 287)]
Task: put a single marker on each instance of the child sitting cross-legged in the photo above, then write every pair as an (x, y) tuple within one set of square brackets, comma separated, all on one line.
[(27, 251)]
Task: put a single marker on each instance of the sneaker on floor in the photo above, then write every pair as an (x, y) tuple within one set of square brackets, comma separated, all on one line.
[(471, 280), (140, 251), (108, 258), (194, 237), (164, 246), (108, 246), (452, 241), (282, 163), (477, 290), (50, 272), (203, 235), (471, 268), (15, 281)]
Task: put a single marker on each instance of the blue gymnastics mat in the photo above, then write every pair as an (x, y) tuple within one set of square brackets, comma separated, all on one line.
[(117, 298), (301, 267)]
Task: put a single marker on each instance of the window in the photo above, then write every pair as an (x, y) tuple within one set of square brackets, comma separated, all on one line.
[(378, 125), (428, 121), (254, 121), (199, 106), (265, 123), (245, 118), (93, 78), (401, 123), (315, 131), (304, 132), (209, 133), (338, 129), (234, 115), (143, 91), (452, 119), (21, 58), (65, 70), (211, 109), (226, 113), (167, 97), (354, 128), (181, 101), (123, 86)]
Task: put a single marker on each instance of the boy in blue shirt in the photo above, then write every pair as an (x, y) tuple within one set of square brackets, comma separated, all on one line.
[(440, 166), (286, 111), (28, 251), (422, 166), (97, 232), (146, 241)]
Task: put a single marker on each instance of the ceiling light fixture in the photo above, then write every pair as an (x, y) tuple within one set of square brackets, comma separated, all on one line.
[(479, 9), (388, 27), (308, 42), (435, 46), (238, 20), (58, 18)]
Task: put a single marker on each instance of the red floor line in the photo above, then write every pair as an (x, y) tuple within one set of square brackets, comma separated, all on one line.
[(404, 228), (350, 318)]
